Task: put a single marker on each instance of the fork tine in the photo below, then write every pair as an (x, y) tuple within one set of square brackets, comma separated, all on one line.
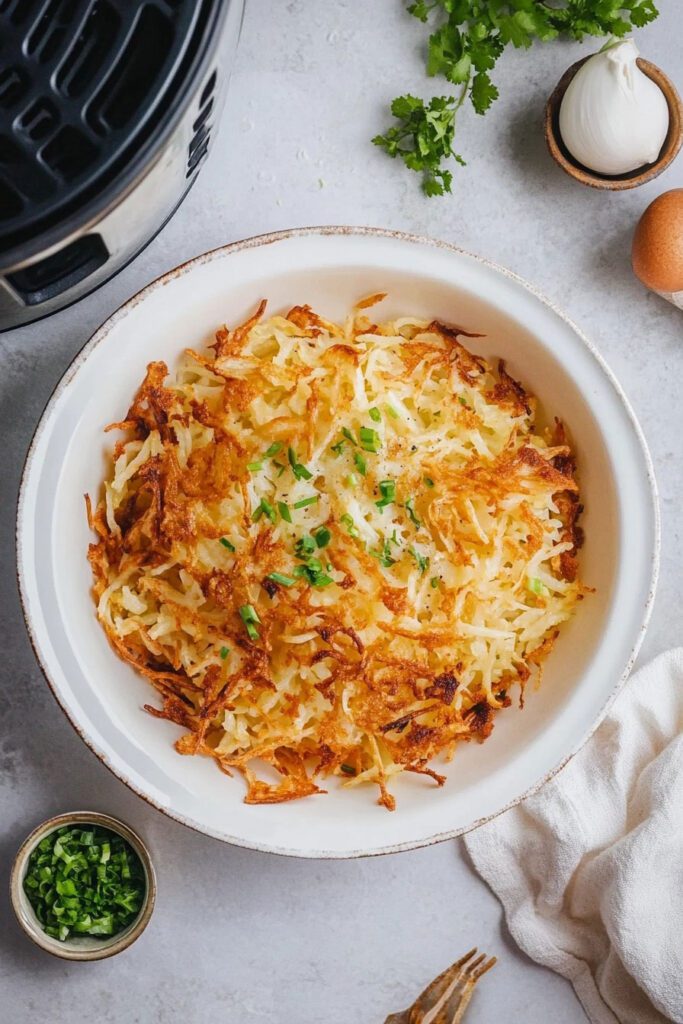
[(439, 989), (473, 976)]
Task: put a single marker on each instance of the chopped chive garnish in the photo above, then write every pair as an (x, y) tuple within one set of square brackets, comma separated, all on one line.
[(535, 586), (422, 561), (351, 480), (410, 509), (249, 616), (348, 522), (348, 769), (280, 468), (306, 501), (338, 448), (387, 488), (224, 652), (299, 471), (274, 449), (394, 538), (84, 880), (360, 463), (254, 467), (304, 546), (428, 481), (279, 577), (462, 400), (226, 544), (322, 536), (384, 556), (370, 440), (263, 508), (434, 582), (348, 435), (375, 414), (392, 412), (312, 570), (283, 509)]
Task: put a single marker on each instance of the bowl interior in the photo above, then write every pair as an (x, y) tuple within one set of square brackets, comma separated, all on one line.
[(104, 697), (83, 947)]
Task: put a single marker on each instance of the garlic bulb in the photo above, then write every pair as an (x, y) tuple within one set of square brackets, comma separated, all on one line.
[(613, 118)]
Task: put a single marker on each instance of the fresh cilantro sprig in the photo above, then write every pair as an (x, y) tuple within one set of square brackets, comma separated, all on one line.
[(467, 39)]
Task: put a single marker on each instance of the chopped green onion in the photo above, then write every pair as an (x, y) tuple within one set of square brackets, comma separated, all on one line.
[(84, 880), (387, 488), (304, 546), (224, 652), (348, 522), (370, 440), (280, 468), (462, 400), (249, 616), (306, 501), (274, 449), (428, 481), (279, 577), (392, 412), (348, 435), (312, 570), (351, 480), (299, 471), (384, 556), (254, 467), (434, 582), (410, 509), (263, 508), (226, 544), (283, 509), (422, 561), (348, 769), (394, 538), (360, 462), (375, 414), (322, 536), (338, 448), (535, 586)]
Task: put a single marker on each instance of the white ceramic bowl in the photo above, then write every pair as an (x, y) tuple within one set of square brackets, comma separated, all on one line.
[(330, 268)]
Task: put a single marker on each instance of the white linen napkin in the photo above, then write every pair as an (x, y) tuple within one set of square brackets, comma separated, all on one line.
[(590, 869)]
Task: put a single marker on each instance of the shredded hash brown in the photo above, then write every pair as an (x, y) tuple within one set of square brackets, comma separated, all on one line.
[(333, 549)]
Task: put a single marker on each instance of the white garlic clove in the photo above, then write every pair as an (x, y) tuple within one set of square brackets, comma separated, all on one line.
[(613, 118)]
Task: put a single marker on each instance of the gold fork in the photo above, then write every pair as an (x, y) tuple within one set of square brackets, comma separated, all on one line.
[(445, 999)]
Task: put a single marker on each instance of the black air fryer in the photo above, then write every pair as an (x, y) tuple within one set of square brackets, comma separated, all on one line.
[(107, 108)]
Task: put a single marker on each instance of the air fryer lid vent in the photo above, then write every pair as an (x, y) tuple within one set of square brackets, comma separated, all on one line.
[(84, 84)]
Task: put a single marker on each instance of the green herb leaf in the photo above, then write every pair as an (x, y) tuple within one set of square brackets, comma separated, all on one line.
[(422, 560), (305, 502), (387, 488), (348, 522), (274, 449), (305, 546), (300, 471), (224, 652), (283, 509), (322, 536), (263, 508), (279, 577), (226, 544), (370, 440), (410, 509), (249, 617), (254, 467), (375, 414), (360, 463), (348, 435)]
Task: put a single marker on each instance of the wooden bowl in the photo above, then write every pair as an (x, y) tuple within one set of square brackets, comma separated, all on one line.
[(641, 175)]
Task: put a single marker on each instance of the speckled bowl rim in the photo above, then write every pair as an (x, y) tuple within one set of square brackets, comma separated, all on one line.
[(108, 946), (269, 238)]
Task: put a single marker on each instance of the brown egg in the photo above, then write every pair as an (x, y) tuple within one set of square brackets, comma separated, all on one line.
[(657, 252)]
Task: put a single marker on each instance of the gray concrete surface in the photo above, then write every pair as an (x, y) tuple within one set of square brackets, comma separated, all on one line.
[(239, 936)]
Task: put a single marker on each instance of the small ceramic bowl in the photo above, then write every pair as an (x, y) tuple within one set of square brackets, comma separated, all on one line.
[(80, 947), (641, 175)]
